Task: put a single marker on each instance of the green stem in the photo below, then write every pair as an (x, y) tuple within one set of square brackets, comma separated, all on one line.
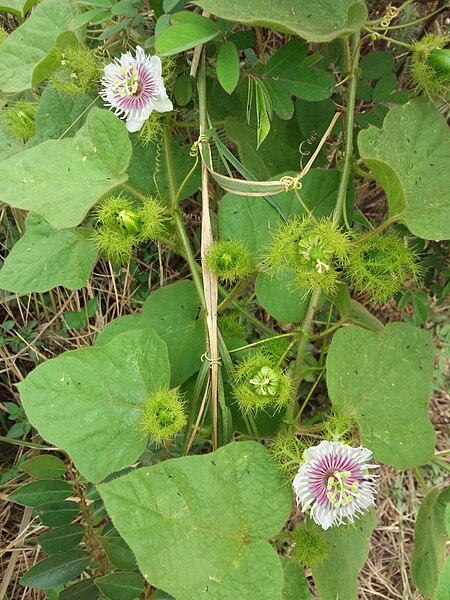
[(232, 295), (378, 35), (189, 256), (310, 393), (421, 480), (348, 148), (377, 230), (441, 464), (179, 225), (301, 352), (133, 191), (264, 341)]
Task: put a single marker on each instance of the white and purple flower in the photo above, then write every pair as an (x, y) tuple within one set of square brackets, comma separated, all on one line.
[(134, 87), (335, 483)]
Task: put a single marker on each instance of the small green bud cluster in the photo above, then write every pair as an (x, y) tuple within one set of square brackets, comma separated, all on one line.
[(230, 260), (163, 416), (259, 383), (338, 427), (430, 65), (20, 119), (310, 546), (120, 227), (231, 327), (78, 70), (381, 265), (314, 252), (287, 449)]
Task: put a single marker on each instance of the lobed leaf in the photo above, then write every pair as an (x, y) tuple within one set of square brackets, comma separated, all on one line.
[(102, 390), (430, 539), (24, 55), (81, 170), (219, 509), (383, 379), (45, 258), (322, 22), (337, 575), (409, 159)]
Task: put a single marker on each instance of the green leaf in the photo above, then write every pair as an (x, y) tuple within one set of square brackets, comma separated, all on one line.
[(121, 586), (56, 113), (44, 466), (430, 539), (56, 570), (142, 169), (81, 171), (187, 30), (61, 539), (55, 514), (409, 159), (228, 66), (307, 83), (252, 220), (183, 90), (172, 311), (42, 491), (337, 575), (289, 56), (83, 590), (281, 298), (267, 161), (118, 552), (322, 22), (443, 584), (376, 64), (45, 258), (295, 585), (177, 503), (24, 60), (383, 379), (17, 7), (280, 97), (102, 390)]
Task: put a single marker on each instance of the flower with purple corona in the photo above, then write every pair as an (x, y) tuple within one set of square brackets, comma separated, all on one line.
[(335, 483), (134, 87)]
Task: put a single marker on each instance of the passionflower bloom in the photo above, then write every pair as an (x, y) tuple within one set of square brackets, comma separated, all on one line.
[(335, 483), (134, 87)]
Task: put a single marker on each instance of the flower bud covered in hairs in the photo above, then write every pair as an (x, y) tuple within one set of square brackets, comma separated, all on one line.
[(154, 218), (116, 228), (313, 251), (381, 265), (163, 416), (430, 65), (78, 70), (310, 546), (20, 119), (258, 383), (230, 260)]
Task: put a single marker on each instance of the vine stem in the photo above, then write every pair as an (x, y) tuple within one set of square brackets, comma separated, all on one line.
[(378, 35), (348, 147), (377, 230), (209, 279), (179, 226), (301, 352)]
